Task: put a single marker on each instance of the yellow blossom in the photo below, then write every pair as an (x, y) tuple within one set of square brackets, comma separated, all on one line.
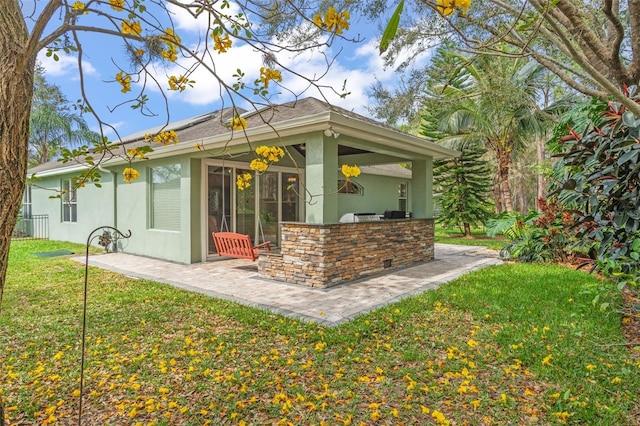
[(243, 181), (130, 174), (165, 138), (267, 74), (270, 153), (446, 7), (238, 123), (591, 367), (117, 5), (179, 83), (333, 21), (79, 7), (547, 360), (439, 418), (131, 27), (124, 80), (135, 153), (221, 44), (350, 171), (259, 165)]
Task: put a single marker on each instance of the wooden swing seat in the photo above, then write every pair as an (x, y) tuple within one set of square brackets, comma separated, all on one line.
[(239, 246)]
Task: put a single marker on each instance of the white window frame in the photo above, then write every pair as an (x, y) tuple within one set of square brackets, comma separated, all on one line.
[(403, 196), (176, 227), (69, 205), (27, 205)]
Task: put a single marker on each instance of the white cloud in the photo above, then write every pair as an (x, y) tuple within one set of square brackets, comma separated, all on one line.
[(109, 130), (310, 64), (184, 20), (65, 65), (355, 70)]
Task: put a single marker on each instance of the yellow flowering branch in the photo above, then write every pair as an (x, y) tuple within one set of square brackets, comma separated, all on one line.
[(350, 171), (180, 83), (243, 181), (130, 174), (125, 81), (165, 138), (238, 123), (446, 7), (333, 21), (221, 44)]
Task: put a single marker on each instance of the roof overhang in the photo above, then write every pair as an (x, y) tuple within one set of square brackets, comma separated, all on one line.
[(361, 134)]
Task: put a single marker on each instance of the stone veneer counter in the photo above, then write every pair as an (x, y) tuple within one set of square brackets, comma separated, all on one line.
[(324, 255)]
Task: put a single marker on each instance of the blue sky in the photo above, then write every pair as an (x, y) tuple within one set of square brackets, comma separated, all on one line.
[(359, 64)]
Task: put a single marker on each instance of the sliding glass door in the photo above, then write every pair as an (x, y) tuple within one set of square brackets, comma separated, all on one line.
[(255, 210)]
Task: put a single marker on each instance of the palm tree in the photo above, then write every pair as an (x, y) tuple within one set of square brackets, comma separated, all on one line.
[(487, 99), (52, 124)]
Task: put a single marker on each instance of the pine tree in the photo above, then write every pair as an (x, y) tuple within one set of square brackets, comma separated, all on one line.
[(464, 184)]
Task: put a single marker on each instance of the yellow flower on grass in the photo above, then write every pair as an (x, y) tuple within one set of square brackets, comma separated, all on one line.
[(117, 5), (129, 174), (267, 74), (243, 181), (238, 123), (439, 418), (221, 44), (131, 27), (350, 171), (591, 367), (547, 360), (125, 81)]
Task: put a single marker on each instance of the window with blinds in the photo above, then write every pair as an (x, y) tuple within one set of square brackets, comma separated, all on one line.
[(165, 197)]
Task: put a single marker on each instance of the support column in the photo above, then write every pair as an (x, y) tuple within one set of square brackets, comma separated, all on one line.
[(422, 189), (321, 179)]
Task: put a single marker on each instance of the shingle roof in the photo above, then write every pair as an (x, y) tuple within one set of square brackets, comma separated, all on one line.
[(216, 123)]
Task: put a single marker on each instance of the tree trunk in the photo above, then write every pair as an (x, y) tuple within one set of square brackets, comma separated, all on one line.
[(540, 152), (16, 89), (467, 230), (504, 163)]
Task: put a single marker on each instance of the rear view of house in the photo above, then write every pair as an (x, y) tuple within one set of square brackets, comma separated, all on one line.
[(184, 193)]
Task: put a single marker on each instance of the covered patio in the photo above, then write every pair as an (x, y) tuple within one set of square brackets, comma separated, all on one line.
[(238, 281), (315, 248)]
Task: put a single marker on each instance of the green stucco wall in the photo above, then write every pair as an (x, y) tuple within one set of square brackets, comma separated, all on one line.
[(96, 208), (380, 194)]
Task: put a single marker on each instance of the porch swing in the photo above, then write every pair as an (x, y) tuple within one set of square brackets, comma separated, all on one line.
[(233, 244)]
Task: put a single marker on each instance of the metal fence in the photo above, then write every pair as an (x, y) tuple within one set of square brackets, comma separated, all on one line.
[(33, 227)]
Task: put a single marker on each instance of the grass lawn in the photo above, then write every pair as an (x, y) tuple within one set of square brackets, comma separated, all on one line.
[(478, 238), (513, 344)]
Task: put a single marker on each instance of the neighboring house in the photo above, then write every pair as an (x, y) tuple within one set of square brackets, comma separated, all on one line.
[(184, 193)]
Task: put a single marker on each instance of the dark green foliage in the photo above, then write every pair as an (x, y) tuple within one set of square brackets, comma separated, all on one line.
[(600, 172), (54, 124), (464, 183), (542, 236)]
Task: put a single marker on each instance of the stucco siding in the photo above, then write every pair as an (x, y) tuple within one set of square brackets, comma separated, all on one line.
[(94, 207), (380, 194)]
